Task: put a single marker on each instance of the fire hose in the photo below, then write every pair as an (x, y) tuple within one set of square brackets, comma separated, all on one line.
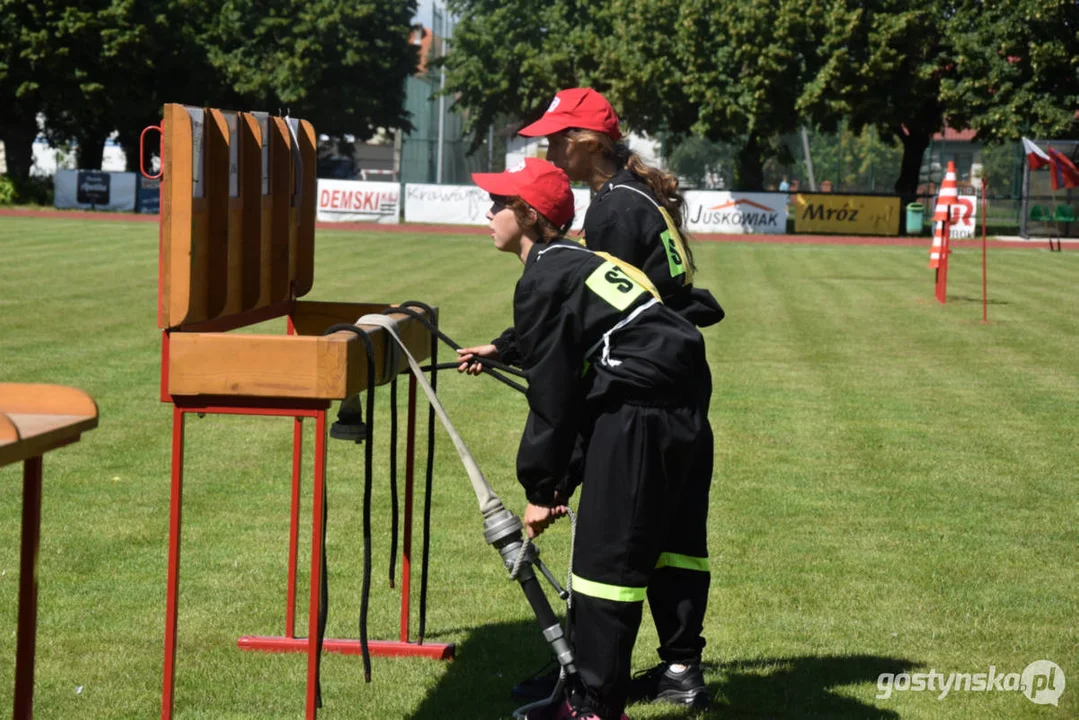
[(502, 530)]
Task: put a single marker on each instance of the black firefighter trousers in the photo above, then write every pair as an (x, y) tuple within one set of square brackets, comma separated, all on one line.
[(642, 531)]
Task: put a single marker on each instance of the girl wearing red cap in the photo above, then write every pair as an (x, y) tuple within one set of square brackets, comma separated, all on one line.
[(607, 368), (636, 216), (636, 213)]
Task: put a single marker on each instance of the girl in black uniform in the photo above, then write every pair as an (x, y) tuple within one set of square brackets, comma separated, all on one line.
[(636, 212), (606, 362), (636, 216)]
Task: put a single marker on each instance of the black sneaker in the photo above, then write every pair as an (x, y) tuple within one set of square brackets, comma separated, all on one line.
[(661, 684), (539, 686)]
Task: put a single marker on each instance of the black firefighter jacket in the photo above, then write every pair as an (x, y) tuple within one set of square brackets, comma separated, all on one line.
[(623, 220), (590, 337), (627, 224)]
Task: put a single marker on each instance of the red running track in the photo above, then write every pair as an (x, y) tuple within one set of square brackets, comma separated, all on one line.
[(474, 230)]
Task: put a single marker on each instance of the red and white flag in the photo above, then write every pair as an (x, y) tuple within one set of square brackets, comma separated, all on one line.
[(1036, 157), (1062, 171)]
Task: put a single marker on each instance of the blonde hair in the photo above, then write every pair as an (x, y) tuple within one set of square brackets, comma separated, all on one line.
[(664, 185)]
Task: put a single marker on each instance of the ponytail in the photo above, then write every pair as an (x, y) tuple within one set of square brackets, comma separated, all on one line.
[(664, 185)]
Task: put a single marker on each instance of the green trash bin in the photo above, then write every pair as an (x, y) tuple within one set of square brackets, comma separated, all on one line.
[(915, 217)]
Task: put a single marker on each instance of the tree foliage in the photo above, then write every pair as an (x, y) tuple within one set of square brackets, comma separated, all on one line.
[(885, 68), (509, 57), (341, 65), (750, 72), (745, 66), (95, 66), (26, 67), (1016, 68)]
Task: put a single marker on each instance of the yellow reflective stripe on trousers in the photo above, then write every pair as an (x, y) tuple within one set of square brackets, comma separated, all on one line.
[(617, 593), (686, 562)]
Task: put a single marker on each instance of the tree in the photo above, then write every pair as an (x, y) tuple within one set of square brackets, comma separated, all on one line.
[(165, 62), (25, 63), (511, 56), (884, 66), (725, 71), (1016, 69), (95, 66), (340, 65), (696, 159), (101, 49), (746, 65)]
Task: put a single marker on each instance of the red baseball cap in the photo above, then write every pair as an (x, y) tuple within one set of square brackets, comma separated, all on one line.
[(538, 183), (582, 108)]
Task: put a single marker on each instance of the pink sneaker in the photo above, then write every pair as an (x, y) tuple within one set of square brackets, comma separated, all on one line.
[(563, 712)]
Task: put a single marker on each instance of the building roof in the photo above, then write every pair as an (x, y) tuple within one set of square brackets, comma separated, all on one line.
[(951, 134)]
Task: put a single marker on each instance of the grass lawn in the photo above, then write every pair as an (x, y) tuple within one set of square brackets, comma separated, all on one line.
[(895, 489)]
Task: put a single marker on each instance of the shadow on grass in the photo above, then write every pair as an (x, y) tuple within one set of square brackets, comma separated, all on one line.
[(477, 684), (799, 687), (965, 298), (863, 278)]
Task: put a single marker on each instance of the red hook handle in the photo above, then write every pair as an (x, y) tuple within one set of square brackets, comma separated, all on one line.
[(142, 152)]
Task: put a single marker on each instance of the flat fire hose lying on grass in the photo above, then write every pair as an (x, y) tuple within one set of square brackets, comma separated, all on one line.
[(502, 529)]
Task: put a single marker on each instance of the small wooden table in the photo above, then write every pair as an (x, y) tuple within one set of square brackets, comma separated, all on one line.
[(35, 419)]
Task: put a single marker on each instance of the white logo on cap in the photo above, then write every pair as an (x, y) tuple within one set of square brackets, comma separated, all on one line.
[(518, 167), (554, 103)]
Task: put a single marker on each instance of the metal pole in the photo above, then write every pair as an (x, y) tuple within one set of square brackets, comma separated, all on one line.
[(442, 98), (985, 245), (1024, 193), (809, 159), (839, 163)]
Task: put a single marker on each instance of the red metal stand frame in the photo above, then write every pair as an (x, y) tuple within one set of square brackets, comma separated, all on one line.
[(945, 251), (298, 409)]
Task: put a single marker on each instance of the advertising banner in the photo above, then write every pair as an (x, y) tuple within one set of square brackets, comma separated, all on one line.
[(94, 189), (356, 201), (466, 204), (148, 197), (964, 217), (736, 212), (845, 214)]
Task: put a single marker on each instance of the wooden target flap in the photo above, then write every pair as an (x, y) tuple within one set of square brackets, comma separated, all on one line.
[(193, 248), (244, 212), (237, 213), (275, 194), (303, 210)]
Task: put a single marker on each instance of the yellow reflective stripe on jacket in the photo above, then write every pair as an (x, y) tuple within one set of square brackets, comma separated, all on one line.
[(673, 243), (686, 562), (633, 272), (604, 591), (613, 285)]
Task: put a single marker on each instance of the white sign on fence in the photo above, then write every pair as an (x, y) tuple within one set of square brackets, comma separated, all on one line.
[(736, 212), (354, 201), (465, 204), (94, 189), (964, 217)]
